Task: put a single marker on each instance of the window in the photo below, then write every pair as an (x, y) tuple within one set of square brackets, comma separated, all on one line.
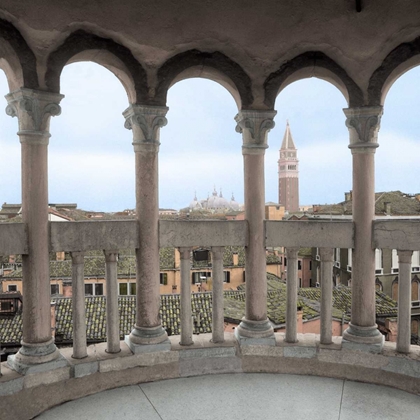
[(285, 261), (200, 277), (94, 289), (163, 277), (55, 289), (226, 278), (99, 289), (310, 264), (378, 261), (88, 289), (125, 289), (349, 259), (337, 254), (12, 288), (415, 262), (299, 264), (395, 267)]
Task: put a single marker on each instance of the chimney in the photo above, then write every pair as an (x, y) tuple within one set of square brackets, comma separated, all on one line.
[(60, 256), (12, 259), (299, 320), (67, 289), (177, 258), (53, 319), (235, 259), (387, 208), (348, 196)]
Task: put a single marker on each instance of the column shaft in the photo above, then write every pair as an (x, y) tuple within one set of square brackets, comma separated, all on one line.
[(34, 109), (254, 126), (363, 124), (255, 259), (327, 258), (78, 303), (404, 301), (145, 121), (217, 297), (35, 265), (112, 314), (292, 286), (186, 311), (363, 268)]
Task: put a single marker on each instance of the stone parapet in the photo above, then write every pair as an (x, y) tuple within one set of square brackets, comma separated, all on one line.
[(25, 396)]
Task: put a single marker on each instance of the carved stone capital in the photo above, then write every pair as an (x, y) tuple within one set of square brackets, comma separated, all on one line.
[(363, 124), (292, 253), (254, 126), (404, 256), (33, 108), (145, 121)]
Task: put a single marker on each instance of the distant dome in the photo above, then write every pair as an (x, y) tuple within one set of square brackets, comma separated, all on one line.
[(234, 205), (221, 202), (212, 201), (195, 204)]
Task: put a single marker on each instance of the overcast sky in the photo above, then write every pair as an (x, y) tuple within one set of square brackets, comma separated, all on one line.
[(91, 159)]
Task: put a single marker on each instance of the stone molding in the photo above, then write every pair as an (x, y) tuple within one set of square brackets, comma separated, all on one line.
[(33, 109), (363, 124), (254, 127), (145, 121)]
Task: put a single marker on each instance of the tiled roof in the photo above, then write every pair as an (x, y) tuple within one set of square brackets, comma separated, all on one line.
[(234, 310)]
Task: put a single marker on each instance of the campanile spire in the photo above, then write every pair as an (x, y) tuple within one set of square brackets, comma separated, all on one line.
[(288, 173)]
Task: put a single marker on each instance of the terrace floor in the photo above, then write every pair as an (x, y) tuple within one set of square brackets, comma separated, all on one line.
[(244, 396)]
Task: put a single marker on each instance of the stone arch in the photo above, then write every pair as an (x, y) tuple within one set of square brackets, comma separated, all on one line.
[(415, 289), (396, 63), (84, 46), (378, 285), (394, 289), (17, 60), (312, 64), (211, 65)]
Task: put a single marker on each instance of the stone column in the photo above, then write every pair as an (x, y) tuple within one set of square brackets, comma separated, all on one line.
[(292, 287), (186, 311), (363, 124), (217, 295), (327, 260), (112, 314), (404, 301), (33, 110), (255, 327), (145, 122), (78, 302)]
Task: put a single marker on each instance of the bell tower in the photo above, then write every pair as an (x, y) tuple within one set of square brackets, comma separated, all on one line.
[(288, 173)]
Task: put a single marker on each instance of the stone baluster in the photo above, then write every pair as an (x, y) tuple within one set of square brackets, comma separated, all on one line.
[(145, 122), (112, 314), (363, 124), (327, 260), (404, 301), (255, 326), (78, 303), (186, 311), (292, 288), (34, 110), (217, 296)]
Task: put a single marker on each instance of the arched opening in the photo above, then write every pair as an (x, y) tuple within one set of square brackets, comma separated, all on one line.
[(398, 147), (10, 168), (91, 161), (378, 285), (395, 289), (313, 110), (200, 151), (415, 289)]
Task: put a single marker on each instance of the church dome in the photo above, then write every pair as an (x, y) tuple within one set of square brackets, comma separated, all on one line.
[(195, 204), (221, 202), (213, 201), (234, 205)]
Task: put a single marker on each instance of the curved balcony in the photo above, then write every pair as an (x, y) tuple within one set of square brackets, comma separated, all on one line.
[(82, 370)]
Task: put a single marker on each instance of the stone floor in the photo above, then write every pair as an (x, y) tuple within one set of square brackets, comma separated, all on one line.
[(244, 396)]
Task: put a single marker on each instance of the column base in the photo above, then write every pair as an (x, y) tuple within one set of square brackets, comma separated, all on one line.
[(34, 358), (148, 340), (367, 339), (255, 333)]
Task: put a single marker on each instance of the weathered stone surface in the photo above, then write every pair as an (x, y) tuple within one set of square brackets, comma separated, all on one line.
[(209, 365), (45, 378), (300, 352), (309, 234)]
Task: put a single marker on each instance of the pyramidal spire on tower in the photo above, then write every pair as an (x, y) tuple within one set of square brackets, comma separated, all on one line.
[(288, 143), (288, 173)]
